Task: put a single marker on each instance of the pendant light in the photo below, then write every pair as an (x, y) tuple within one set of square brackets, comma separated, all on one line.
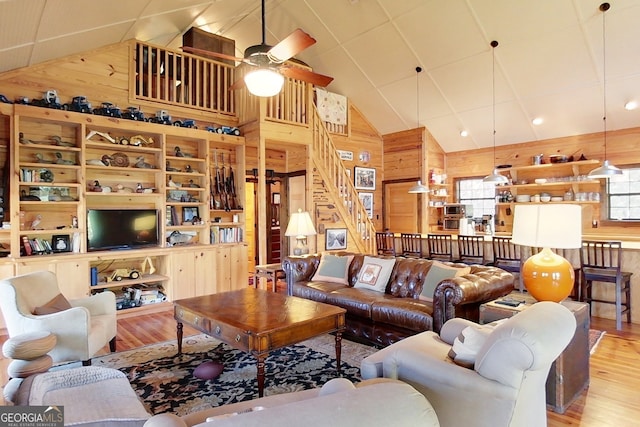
[(495, 177), (419, 187), (606, 170)]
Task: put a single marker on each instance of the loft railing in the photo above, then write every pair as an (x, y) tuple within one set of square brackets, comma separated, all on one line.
[(181, 79), (330, 167)]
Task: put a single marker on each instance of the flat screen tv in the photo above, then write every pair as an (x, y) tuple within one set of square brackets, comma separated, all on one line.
[(121, 229)]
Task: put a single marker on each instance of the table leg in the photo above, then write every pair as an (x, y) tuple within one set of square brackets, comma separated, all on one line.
[(179, 337), (255, 280), (260, 375), (338, 350)]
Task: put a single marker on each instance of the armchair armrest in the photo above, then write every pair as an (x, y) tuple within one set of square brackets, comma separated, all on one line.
[(98, 304), (60, 323), (299, 268), (453, 327), (483, 284)]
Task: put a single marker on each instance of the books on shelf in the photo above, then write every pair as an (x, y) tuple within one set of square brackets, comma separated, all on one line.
[(226, 234)]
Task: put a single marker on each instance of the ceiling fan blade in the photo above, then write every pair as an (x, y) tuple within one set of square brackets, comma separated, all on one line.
[(291, 45), (203, 52), (238, 84), (305, 75)]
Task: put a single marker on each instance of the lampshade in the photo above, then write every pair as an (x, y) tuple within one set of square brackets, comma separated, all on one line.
[(264, 81), (546, 275), (605, 171), (496, 178), (300, 226), (419, 188)]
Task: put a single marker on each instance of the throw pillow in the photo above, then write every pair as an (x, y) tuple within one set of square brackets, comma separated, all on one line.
[(437, 273), (58, 303), (333, 269), (466, 345), (375, 273)]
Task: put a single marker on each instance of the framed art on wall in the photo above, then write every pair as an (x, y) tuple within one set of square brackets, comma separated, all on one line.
[(335, 238), (367, 202), (364, 178)]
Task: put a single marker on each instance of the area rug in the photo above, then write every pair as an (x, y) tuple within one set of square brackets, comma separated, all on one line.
[(165, 381)]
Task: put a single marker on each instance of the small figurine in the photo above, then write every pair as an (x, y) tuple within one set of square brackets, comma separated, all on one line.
[(179, 153), (61, 161), (140, 163), (169, 168), (58, 141), (40, 158), (192, 184), (122, 189), (188, 169), (177, 238), (36, 222), (96, 187), (174, 184)]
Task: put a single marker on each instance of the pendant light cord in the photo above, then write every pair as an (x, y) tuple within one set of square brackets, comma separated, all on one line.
[(604, 7), (494, 44), (418, 71)]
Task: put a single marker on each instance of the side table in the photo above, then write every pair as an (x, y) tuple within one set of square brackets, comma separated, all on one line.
[(569, 373), (271, 272)]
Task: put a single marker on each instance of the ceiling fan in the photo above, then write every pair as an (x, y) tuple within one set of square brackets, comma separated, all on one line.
[(269, 63)]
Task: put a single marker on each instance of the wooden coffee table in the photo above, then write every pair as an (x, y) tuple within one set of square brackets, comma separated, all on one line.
[(257, 321)]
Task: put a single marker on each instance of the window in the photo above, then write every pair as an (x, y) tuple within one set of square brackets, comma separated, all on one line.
[(623, 193), (481, 195)]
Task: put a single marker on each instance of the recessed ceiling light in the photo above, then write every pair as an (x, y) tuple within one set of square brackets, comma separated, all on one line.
[(464, 133), (537, 121), (631, 105)]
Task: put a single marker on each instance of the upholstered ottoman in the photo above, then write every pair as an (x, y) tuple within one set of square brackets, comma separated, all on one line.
[(91, 396)]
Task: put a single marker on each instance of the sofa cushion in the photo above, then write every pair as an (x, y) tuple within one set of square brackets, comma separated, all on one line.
[(357, 302), (58, 303), (333, 268), (407, 313), (316, 291), (437, 273), (29, 345), (375, 273)]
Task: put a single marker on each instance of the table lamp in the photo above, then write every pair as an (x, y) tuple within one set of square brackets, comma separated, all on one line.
[(300, 226), (547, 275)]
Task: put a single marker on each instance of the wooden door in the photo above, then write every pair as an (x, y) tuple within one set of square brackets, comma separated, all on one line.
[(401, 208)]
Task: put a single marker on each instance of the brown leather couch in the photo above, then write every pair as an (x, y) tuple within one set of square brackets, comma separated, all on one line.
[(384, 318)]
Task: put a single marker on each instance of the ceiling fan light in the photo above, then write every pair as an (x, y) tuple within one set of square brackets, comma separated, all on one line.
[(264, 82), (605, 171), (496, 178)]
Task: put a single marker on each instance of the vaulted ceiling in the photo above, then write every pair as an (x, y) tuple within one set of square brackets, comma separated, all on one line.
[(550, 62)]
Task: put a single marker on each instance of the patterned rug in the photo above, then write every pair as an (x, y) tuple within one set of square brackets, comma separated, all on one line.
[(165, 381)]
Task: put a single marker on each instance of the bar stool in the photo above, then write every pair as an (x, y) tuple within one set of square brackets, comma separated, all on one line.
[(440, 247), (411, 245), (471, 249), (601, 261), (507, 256), (385, 242)]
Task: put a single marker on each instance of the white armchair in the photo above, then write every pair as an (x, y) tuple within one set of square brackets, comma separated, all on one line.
[(506, 387), (81, 330)]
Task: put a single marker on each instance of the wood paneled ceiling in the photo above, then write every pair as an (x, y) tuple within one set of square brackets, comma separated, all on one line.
[(549, 63)]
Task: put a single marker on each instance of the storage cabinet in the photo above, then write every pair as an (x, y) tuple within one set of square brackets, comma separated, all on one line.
[(561, 182), (64, 163)]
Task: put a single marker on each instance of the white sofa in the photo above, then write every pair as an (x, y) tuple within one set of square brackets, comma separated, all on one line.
[(373, 403), (506, 387)]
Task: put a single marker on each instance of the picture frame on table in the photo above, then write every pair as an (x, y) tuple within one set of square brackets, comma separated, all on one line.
[(335, 239), (364, 178), (60, 243), (367, 202)]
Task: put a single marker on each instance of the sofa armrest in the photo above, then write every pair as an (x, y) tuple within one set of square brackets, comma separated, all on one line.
[(482, 285), (299, 269)]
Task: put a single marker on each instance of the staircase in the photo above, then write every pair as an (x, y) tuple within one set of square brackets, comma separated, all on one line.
[(339, 187)]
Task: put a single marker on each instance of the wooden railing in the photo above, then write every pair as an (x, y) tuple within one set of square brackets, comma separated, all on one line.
[(181, 79), (328, 164)]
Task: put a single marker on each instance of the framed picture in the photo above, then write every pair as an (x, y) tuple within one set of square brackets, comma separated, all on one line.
[(364, 178), (367, 202), (276, 198), (335, 238), (190, 213), (60, 243)]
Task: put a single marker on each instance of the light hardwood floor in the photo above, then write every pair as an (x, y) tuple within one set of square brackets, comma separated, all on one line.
[(612, 398)]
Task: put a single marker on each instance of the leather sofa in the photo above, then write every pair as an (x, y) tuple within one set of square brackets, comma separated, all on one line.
[(384, 318), (338, 403)]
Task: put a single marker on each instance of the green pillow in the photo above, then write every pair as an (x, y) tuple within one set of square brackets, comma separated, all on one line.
[(437, 273), (334, 269)]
